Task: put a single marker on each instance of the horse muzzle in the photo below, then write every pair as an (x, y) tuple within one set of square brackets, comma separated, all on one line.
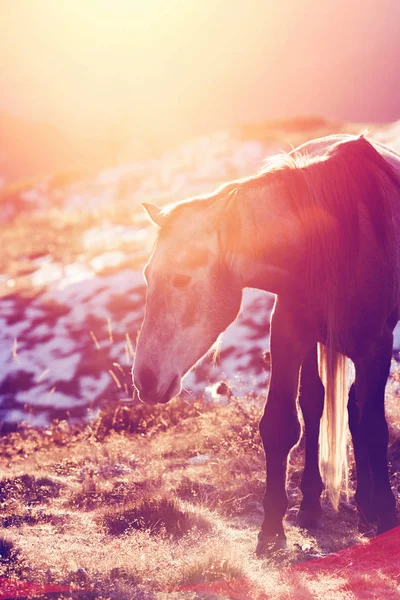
[(151, 391)]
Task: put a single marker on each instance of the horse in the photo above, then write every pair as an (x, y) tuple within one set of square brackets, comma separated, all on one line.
[(319, 227)]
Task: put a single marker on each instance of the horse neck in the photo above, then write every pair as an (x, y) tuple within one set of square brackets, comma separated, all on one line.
[(269, 246)]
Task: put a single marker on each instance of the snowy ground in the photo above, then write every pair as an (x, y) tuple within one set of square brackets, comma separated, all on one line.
[(69, 325)]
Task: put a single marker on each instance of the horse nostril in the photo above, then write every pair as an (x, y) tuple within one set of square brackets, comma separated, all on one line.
[(147, 380)]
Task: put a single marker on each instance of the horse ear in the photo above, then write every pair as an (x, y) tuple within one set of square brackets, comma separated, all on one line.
[(154, 213)]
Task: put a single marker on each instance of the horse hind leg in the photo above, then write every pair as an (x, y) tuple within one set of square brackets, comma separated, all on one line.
[(372, 435), (363, 495), (312, 404)]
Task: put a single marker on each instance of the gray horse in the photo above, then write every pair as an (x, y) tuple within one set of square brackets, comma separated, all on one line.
[(320, 228)]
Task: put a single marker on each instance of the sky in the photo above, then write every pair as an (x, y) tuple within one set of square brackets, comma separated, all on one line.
[(160, 66)]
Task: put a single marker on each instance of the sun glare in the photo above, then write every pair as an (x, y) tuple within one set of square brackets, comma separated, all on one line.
[(96, 53), (162, 69)]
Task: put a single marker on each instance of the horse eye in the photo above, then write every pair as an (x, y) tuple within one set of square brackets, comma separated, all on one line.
[(180, 281)]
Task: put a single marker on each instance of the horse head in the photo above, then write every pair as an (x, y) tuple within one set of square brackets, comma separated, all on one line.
[(192, 293)]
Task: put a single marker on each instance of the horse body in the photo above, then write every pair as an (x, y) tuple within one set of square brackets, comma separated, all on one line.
[(320, 228)]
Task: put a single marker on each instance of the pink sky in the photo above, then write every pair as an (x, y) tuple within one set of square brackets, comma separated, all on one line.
[(193, 65)]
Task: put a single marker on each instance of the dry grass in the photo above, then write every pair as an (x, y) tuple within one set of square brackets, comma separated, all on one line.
[(128, 510)]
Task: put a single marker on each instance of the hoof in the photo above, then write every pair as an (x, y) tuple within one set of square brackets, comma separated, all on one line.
[(308, 519), (268, 544)]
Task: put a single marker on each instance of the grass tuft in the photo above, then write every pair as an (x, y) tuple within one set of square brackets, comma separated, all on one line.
[(158, 515), (7, 550), (30, 489)]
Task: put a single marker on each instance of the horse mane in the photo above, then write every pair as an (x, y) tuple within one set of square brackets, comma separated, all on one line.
[(351, 175), (350, 180)]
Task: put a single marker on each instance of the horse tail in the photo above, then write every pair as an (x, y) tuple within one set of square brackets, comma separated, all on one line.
[(333, 369)]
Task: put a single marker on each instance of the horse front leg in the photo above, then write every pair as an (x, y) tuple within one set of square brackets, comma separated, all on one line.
[(279, 426), (370, 436)]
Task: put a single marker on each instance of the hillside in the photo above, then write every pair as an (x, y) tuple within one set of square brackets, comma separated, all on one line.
[(71, 287), (98, 491)]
